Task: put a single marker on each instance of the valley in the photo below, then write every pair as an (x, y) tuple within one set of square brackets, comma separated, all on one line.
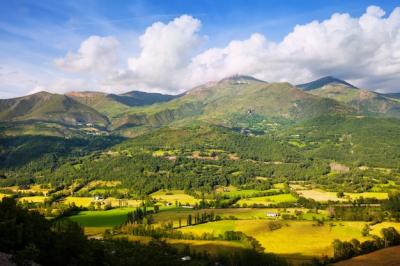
[(230, 166)]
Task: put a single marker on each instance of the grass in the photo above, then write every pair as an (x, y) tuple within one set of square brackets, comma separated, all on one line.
[(172, 196), (2, 195), (34, 199), (106, 219), (267, 200)]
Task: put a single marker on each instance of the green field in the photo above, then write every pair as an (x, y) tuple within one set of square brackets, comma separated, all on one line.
[(108, 218), (267, 200)]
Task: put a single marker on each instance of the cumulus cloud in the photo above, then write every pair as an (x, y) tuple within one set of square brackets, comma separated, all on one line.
[(96, 54), (364, 50), (165, 50)]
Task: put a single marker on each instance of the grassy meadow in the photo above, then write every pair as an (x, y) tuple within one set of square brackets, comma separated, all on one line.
[(105, 219)]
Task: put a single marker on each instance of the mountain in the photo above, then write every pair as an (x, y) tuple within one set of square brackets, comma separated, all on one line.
[(48, 107), (364, 101), (111, 104), (218, 102), (328, 80)]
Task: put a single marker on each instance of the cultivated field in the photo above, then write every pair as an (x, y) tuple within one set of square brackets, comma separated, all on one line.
[(105, 219), (173, 196), (34, 199), (311, 239), (324, 196), (267, 200)]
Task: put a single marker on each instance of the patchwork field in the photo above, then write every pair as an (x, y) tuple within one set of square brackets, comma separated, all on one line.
[(233, 214), (311, 239), (267, 200)]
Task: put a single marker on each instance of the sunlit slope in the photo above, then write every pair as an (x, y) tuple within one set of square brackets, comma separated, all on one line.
[(48, 107), (217, 102)]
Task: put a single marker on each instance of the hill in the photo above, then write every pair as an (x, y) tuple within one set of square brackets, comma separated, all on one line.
[(364, 101), (48, 107)]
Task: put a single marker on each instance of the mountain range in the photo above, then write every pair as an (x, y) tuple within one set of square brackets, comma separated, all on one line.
[(226, 102)]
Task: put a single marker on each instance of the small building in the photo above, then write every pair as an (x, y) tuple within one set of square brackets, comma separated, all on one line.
[(272, 214), (186, 258)]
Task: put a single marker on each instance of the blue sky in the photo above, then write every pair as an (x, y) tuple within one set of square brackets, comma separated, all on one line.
[(33, 34)]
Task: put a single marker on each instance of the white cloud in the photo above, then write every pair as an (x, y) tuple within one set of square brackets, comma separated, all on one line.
[(96, 54), (165, 49), (364, 50)]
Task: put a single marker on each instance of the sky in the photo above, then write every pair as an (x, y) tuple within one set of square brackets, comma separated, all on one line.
[(172, 46)]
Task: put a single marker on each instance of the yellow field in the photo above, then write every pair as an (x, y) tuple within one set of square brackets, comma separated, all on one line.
[(34, 199), (266, 200), (296, 239), (376, 195), (2, 195), (172, 196), (32, 189), (123, 202), (324, 196), (320, 195), (79, 201)]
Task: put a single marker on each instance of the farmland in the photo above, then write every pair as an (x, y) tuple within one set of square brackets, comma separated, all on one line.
[(104, 219), (172, 197), (267, 200), (311, 239)]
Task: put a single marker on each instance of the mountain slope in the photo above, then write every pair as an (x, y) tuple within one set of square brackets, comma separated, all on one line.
[(48, 107), (217, 102), (364, 101), (112, 104)]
